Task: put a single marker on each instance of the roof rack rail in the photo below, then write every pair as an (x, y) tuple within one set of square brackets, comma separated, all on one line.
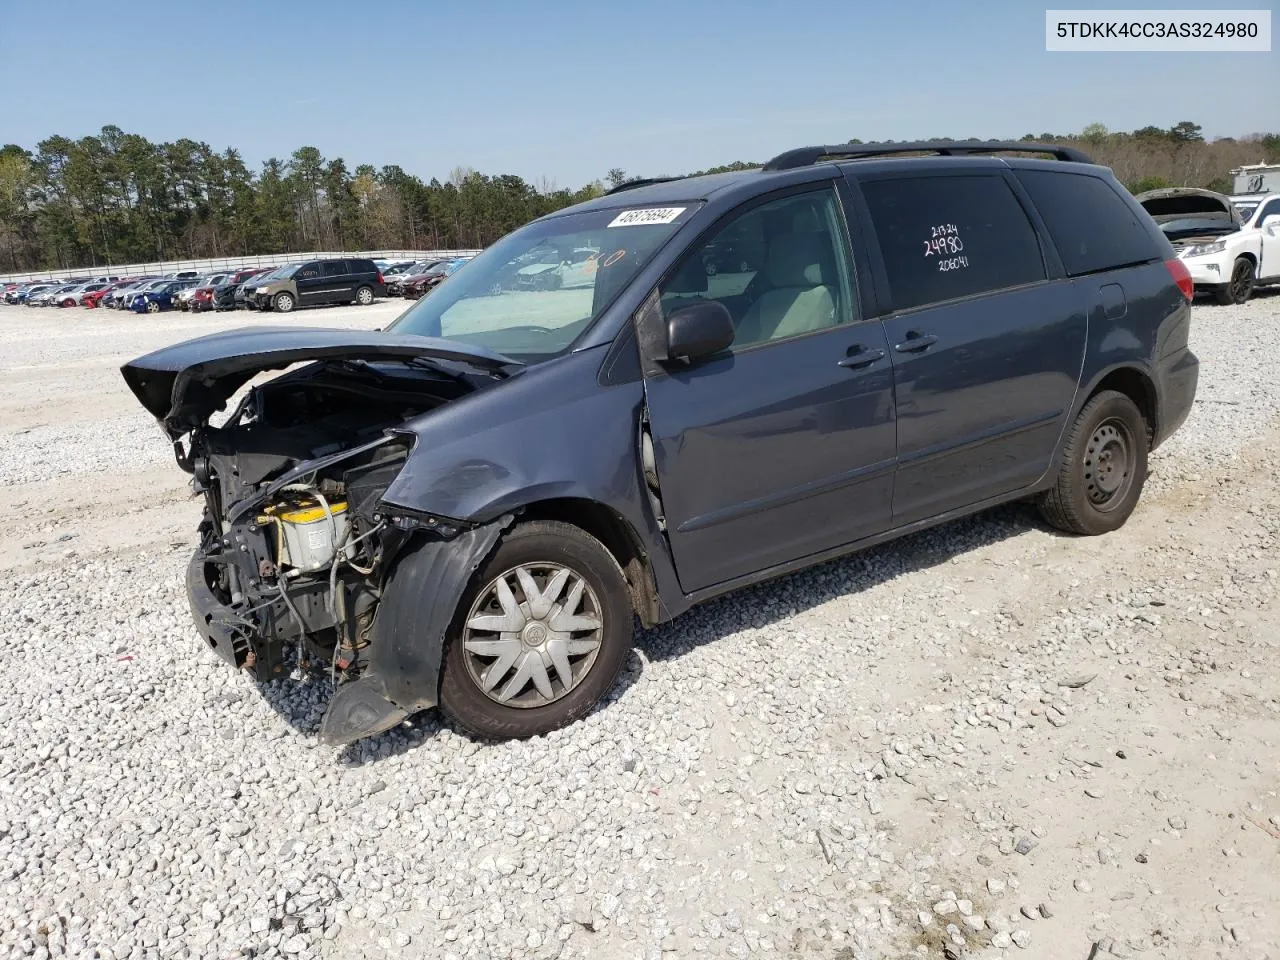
[(804, 156), (639, 182)]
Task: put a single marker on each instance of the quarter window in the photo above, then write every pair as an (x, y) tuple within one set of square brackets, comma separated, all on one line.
[(949, 237), (1092, 226), (781, 268)]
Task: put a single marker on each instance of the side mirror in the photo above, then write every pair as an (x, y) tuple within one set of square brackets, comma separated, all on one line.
[(1271, 224), (699, 330)]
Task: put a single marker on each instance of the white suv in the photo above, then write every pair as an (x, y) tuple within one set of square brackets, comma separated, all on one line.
[(1226, 254)]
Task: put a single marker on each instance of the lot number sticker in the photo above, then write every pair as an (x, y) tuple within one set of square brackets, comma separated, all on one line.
[(645, 217)]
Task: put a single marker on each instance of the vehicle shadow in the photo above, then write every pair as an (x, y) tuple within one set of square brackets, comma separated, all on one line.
[(301, 701), (775, 600)]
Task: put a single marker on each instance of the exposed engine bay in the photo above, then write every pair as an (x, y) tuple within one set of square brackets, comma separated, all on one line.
[(293, 546), (297, 547)]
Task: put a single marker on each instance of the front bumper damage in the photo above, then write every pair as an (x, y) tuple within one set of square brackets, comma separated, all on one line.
[(297, 548), (386, 630)]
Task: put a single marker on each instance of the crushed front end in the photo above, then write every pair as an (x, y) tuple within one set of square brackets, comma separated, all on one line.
[(297, 550)]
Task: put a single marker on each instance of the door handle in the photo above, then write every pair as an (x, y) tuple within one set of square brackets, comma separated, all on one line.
[(859, 357), (916, 342)]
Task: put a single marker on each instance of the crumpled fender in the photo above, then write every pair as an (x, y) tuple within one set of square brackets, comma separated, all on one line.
[(407, 638)]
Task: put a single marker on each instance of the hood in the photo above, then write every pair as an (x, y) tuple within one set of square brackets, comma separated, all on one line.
[(182, 385), (1175, 203)]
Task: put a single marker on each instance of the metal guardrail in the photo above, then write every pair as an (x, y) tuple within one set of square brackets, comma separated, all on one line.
[(215, 264)]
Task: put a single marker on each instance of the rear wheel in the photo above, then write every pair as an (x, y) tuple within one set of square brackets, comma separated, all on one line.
[(540, 634), (1240, 288), (283, 303), (1103, 467), (364, 296)]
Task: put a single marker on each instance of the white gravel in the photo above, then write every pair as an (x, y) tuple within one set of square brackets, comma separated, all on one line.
[(883, 757)]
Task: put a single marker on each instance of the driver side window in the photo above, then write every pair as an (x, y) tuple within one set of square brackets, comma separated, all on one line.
[(782, 269)]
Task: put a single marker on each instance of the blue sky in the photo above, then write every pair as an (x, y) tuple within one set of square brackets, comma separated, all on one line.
[(565, 91)]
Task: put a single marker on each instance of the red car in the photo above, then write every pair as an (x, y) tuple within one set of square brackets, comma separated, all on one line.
[(206, 298), (94, 298)]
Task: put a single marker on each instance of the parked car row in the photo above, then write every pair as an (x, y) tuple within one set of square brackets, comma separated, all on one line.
[(280, 289), (420, 277)]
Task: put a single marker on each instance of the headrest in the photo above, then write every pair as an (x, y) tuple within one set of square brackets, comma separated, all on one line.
[(795, 260)]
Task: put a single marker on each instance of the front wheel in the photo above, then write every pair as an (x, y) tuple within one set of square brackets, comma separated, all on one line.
[(540, 634), (283, 303), (1103, 467), (1240, 289), (153, 306)]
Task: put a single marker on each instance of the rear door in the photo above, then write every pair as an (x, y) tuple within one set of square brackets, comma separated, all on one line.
[(781, 447), (986, 346)]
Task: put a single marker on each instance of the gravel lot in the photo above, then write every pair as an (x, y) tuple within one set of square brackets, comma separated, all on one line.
[(987, 739)]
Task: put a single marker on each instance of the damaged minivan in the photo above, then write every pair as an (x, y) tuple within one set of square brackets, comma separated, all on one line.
[(472, 508)]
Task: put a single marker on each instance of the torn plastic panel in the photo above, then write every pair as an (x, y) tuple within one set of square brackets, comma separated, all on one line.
[(406, 645)]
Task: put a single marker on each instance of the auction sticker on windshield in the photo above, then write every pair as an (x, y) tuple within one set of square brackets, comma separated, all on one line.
[(645, 217)]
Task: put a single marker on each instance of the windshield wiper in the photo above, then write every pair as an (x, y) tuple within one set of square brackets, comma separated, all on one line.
[(435, 365)]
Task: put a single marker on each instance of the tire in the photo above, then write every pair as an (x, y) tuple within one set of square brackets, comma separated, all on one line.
[(282, 303), (1240, 288), (1103, 468), (153, 306), (711, 268), (548, 545), (364, 296)]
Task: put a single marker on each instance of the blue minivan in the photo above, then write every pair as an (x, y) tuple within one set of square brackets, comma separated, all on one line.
[(473, 507)]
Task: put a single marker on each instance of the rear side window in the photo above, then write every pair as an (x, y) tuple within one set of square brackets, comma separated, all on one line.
[(334, 268), (949, 237), (362, 266), (1091, 225)]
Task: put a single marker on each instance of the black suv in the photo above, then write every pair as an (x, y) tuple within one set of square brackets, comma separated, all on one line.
[(473, 507), (348, 280)]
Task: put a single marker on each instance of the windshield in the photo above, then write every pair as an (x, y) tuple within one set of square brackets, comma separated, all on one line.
[(529, 295)]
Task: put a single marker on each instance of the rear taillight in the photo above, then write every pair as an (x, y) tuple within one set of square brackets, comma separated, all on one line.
[(380, 280), (1182, 277)]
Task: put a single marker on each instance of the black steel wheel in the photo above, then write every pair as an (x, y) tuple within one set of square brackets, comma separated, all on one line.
[(1103, 467)]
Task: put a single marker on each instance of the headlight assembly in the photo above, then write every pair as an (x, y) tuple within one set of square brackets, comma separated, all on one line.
[(1204, 249)]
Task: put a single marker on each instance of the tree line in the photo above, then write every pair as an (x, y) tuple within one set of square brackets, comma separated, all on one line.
[(116, 197)]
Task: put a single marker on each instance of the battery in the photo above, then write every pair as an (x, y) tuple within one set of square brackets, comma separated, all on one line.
[(308, 535)]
